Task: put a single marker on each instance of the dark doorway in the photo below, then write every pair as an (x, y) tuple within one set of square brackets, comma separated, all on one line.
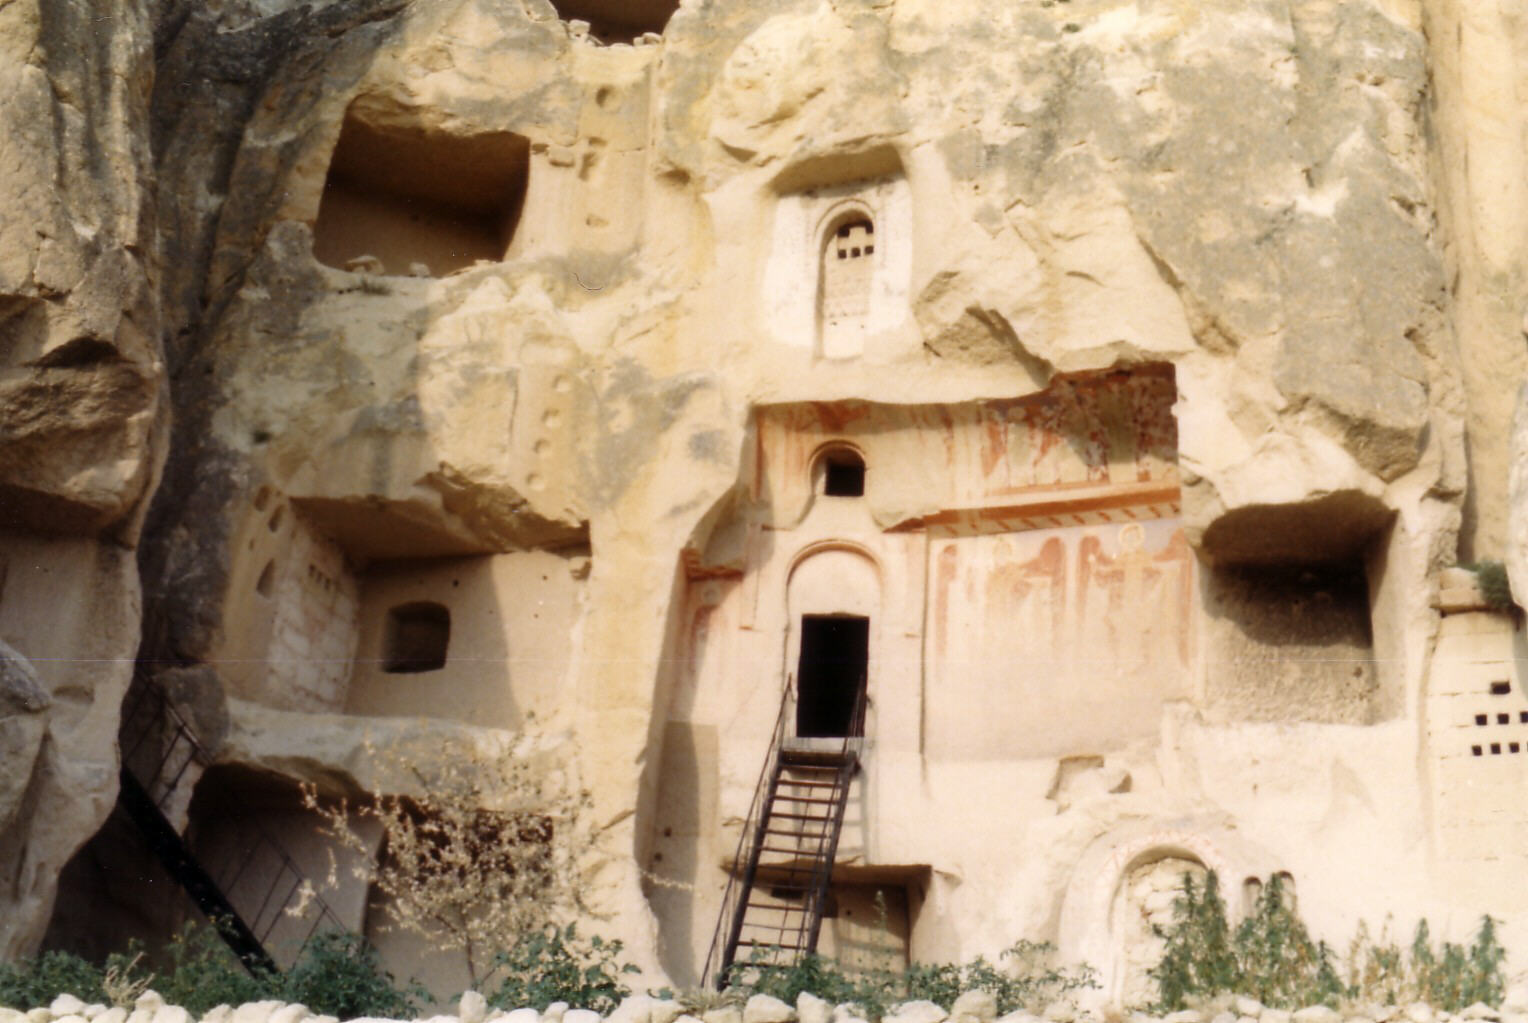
[(835, 652)]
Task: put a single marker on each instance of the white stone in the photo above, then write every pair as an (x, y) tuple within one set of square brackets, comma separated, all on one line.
[(1248, 1006), (1516, 998), (92, 1010), (665, 1010), (1479, 1010), (1278, 1016), (811, 1009), (292, 1013), (255, 1012), (67, 1005), (1019, 1016), (1184, 1016), (917, 1012), (72, 1017), (979, 1006), (522, 1016), (1223, 1017), (321, 1019), (580, 1016), (848, 1012), (176, 1014), (723, 1014), (767, 1009), (633, 1009), (116, 1014), (9, 1015), (472, 1007), (39, 1015), (1317, 1014)]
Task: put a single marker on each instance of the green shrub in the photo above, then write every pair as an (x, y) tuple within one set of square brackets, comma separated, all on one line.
[(201, 972), (1029, 983), (1449, 978), (1271, 957), (1491, 577), (1279, 964), (340, 975), (32, 983), (335, 974), (556, 965)]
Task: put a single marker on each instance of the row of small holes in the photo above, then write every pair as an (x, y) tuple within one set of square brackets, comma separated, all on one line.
[(1512, 747), (1502, 719), (855, 252)]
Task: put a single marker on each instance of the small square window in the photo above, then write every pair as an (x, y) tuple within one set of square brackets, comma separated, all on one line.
[(843, 473), (1476, 751), (417, 638), (1501, 688), (1495, 747), (1481, 719), (1512, 747), (1502, 719)]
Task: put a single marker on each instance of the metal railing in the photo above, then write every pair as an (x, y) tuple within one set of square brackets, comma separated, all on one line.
[(263, 889), (740, 883)]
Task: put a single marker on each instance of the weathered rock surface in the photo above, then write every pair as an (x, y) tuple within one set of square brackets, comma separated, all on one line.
[(83, 418), (1265, 197)]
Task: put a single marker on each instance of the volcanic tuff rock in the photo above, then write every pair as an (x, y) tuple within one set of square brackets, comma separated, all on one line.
[(1263, 194)]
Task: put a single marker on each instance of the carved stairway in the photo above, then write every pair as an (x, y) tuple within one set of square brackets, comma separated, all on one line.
[(772, 912), (247, 903)]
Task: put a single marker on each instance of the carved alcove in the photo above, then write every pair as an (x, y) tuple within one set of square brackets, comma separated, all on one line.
[(419, 201), (840, 258), (618, 21)]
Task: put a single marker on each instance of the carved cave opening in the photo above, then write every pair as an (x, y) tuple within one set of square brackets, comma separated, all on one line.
[(835, 653), (418, 636), (419, 202), (1292, 642), (618, 21)]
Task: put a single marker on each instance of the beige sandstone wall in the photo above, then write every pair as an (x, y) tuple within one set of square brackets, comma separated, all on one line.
[(1183, 361)]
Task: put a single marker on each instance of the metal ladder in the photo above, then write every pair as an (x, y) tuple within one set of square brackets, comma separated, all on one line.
[(790, 840), (245, 903)]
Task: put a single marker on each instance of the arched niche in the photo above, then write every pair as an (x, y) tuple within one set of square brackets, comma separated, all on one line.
[(833, 599), (1123, 870)]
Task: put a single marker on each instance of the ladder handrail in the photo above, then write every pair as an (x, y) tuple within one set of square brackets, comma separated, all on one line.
[(843, 780), (748, 838), (721, 956)]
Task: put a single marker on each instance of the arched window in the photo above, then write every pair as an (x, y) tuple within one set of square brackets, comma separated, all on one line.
[(840, 472), (847, 259), (417, 637)]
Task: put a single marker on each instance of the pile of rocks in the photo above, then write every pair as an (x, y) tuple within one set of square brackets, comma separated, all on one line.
[(971, 1007)]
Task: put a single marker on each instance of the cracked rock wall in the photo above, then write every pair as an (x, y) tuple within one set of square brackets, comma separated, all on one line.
[(537, 404)]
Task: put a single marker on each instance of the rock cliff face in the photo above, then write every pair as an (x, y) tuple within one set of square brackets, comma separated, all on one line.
[(83, 417), (462, 309)]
